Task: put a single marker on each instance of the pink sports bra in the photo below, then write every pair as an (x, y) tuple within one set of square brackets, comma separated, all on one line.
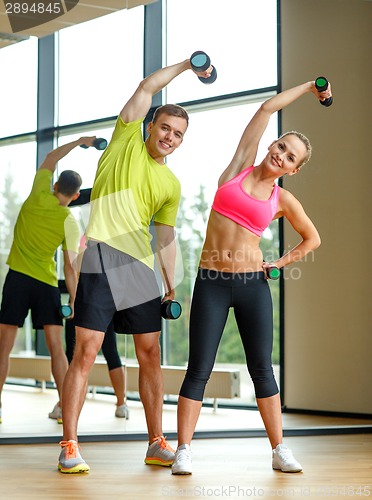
[(233, 202)]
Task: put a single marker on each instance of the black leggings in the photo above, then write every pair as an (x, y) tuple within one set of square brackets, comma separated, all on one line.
[(109, 345), (249, 295)]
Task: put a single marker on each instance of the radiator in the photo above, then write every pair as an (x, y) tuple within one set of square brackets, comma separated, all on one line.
[(223, 383)]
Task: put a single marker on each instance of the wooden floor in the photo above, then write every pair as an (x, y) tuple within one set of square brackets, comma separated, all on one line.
[(334, 466), (337, 466)]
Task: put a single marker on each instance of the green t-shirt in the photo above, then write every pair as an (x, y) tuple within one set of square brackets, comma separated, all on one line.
[(131, 189), (42, 226)]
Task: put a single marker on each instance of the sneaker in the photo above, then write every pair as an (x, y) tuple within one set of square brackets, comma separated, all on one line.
[(56, 414), (159, 453), (122, 411), (70, 460), (284, 460), (182, 461)]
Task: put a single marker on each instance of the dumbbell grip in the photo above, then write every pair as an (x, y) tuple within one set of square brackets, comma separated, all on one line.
[(272, 272), (171, 309), (98, 143), (200, 61), (65, 311), (321, 84)]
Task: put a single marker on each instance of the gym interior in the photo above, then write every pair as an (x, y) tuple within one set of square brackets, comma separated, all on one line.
[(70, 76)]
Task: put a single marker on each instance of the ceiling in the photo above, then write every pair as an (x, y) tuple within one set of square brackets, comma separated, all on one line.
[(18, 27)]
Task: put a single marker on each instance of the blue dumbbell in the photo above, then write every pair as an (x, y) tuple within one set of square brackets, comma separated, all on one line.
[(98, 143), (65, 311), (170, 309), (200, 61), (321, 84)]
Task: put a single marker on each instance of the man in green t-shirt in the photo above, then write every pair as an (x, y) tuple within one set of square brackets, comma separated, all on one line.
[(43, 224), (133, 186)]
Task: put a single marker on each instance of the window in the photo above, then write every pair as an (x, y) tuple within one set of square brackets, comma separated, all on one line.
[(246, 64), (18, 88), (84, 161), (208, 147), (232, 34), (18, 164), (100, 65)]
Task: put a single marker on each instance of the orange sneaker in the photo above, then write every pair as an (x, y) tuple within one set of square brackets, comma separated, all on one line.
[(159, 453), (70, 460)]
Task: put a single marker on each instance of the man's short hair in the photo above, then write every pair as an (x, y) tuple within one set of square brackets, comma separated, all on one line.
[(172, 110), (69, 182)]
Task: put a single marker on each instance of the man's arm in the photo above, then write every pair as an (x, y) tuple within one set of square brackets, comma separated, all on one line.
[(139, 104), (70, 275), (166, 257), (53, 157)]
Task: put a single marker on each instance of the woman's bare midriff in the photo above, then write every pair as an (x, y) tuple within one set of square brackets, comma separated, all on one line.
[(230, 247)]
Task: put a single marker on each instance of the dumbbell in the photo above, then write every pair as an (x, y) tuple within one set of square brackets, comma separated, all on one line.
[(98, 143), (272, 272), (200, 61), (65, 311), (321, 84), (170, 309)]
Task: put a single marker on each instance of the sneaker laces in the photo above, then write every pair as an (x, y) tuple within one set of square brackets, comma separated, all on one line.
[(285, 454), (162, 442), (71, 448), (183, 455)]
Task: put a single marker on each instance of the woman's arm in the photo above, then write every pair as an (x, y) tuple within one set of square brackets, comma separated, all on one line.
[(293, 211), (246, 152)]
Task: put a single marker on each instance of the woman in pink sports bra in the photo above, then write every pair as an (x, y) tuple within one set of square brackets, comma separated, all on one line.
[(232, 273)]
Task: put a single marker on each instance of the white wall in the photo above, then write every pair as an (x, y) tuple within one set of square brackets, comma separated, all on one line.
[(328, 311)]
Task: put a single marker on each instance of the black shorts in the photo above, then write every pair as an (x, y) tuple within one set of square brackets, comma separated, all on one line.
[(22, 293), (115, 286)]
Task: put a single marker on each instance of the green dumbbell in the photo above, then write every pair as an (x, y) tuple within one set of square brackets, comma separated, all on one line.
[(321, 84), (272, 272), (200, 61)]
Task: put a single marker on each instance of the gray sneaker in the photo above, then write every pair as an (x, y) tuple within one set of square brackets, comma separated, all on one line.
[(70, 460), (159, 453), (122, 411), (284, 460), (56, 413), (182, 462)]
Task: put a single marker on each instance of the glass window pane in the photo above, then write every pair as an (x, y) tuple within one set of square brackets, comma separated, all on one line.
[(210, 143), (84, 161), (198, 163), (240, 36), (18, 163), (100, 65), (18, 88), (18, 168)]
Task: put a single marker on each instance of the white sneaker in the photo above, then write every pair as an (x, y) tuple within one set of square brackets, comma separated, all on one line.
[(182, 462), (284, 460), (56, 414), (122, 411)]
